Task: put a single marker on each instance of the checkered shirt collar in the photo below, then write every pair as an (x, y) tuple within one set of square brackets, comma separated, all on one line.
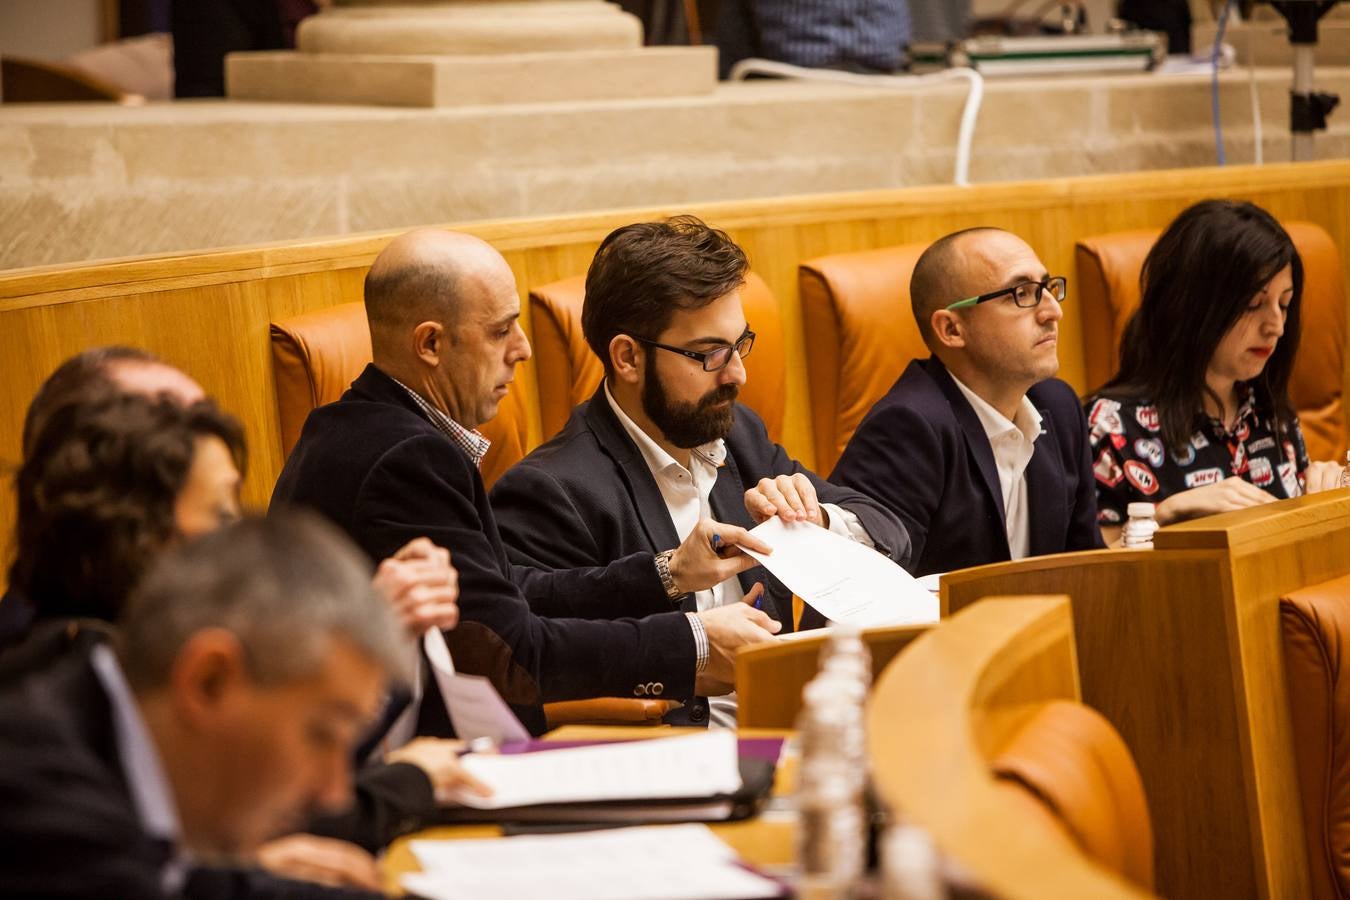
[(472, 442)]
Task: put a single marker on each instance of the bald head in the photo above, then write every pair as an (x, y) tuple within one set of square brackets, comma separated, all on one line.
[(128, 369), (952, 269), (426, 275), (444, 321)]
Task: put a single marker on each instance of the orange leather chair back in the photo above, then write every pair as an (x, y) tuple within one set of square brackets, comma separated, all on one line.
[(1070, 759), (860, 335), (569, 372), (1108, 285), (317, 355), (1315, 623)]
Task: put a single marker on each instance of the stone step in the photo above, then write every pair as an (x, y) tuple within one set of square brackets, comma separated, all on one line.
[(447, 81)]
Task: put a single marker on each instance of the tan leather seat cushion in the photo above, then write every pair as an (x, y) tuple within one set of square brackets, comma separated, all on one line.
[(1314, 622), (569, 372), (317, 355), (1108, 284), (1069, 757), (860, 335)]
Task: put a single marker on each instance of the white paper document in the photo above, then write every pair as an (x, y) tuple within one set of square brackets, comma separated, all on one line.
[(845, 581), (473, 704), (680, 862), (697, 766)]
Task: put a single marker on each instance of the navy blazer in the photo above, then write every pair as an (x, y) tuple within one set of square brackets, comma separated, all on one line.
[(922, 451), (587, 497), (375, 465)]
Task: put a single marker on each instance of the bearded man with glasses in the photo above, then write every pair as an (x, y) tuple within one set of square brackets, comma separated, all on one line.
[(662, 449), (979, 449)]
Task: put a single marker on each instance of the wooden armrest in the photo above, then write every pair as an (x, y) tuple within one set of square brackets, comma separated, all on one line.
[(607, 711)]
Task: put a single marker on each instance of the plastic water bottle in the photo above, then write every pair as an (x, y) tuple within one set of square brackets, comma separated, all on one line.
[(833, 829), (1345, 472), (846, 651), (910, 867), (1139, 529)]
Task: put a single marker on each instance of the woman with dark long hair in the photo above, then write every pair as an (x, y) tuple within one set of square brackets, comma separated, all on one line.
[(1198, 419)]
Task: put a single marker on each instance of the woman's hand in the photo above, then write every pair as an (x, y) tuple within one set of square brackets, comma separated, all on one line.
[(1224, 496), (1322, 476)]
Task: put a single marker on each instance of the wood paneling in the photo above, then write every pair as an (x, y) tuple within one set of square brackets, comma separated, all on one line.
[(945, 704), (208, 312), (770, 676), (1179, 647)]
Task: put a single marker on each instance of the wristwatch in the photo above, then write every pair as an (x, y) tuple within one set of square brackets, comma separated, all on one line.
[(673, 593)]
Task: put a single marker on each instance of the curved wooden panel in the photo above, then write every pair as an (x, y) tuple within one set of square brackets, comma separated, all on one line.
[(1179, 647), (940, 712)]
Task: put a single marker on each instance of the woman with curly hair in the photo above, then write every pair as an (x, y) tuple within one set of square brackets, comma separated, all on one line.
[(109, 482), (1198, 419)]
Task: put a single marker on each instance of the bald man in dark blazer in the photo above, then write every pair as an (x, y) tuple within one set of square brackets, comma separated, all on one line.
[(979, 449)]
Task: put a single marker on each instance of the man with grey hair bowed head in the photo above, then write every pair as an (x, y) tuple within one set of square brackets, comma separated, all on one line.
[(247, 665)]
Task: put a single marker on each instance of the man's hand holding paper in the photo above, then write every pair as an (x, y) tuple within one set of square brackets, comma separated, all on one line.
[(791, 498), (842, 579)]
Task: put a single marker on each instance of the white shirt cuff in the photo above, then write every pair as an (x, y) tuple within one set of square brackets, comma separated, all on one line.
[(846, 524)]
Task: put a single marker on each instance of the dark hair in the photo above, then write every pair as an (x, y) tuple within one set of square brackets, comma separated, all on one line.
[(643, 273), (74, 378), (1196, 282), (96, 496)]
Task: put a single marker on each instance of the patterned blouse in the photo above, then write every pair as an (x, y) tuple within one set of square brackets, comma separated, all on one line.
[(1131, 463)]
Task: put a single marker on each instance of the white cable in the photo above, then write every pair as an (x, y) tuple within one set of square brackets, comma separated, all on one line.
[(974, 97), (1259, 154)]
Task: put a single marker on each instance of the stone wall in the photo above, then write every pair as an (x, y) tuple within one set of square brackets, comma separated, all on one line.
[(82, 182)]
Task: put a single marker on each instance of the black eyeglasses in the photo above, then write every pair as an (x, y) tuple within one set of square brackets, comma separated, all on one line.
[(1026, 295), (714, 360)]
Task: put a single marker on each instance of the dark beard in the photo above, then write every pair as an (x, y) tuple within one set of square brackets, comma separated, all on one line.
[(688, 425)]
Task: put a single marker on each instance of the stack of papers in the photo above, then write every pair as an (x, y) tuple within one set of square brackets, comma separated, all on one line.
[(699, 766), (679, 862), (843, 580)]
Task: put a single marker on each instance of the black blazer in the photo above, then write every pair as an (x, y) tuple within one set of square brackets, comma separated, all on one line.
[(374, 464), (587, 497), (922, 451), (68, 824)]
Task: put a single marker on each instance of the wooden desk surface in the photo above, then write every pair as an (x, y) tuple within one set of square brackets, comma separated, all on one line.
[(767, 840)]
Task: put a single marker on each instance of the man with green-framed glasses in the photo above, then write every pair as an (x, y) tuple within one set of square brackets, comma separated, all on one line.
[(979, 449)]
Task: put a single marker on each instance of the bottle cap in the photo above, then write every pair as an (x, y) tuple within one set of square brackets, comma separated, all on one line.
[(1140, 510)]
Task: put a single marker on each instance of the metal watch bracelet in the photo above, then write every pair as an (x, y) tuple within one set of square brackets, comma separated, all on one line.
[(673, 593)]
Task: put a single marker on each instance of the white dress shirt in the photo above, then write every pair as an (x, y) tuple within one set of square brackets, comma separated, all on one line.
[(1013, 444), (686, 492)]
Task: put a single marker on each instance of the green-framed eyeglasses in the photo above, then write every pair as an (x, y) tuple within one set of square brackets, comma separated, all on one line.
[(1026, 294), (713, 360)]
